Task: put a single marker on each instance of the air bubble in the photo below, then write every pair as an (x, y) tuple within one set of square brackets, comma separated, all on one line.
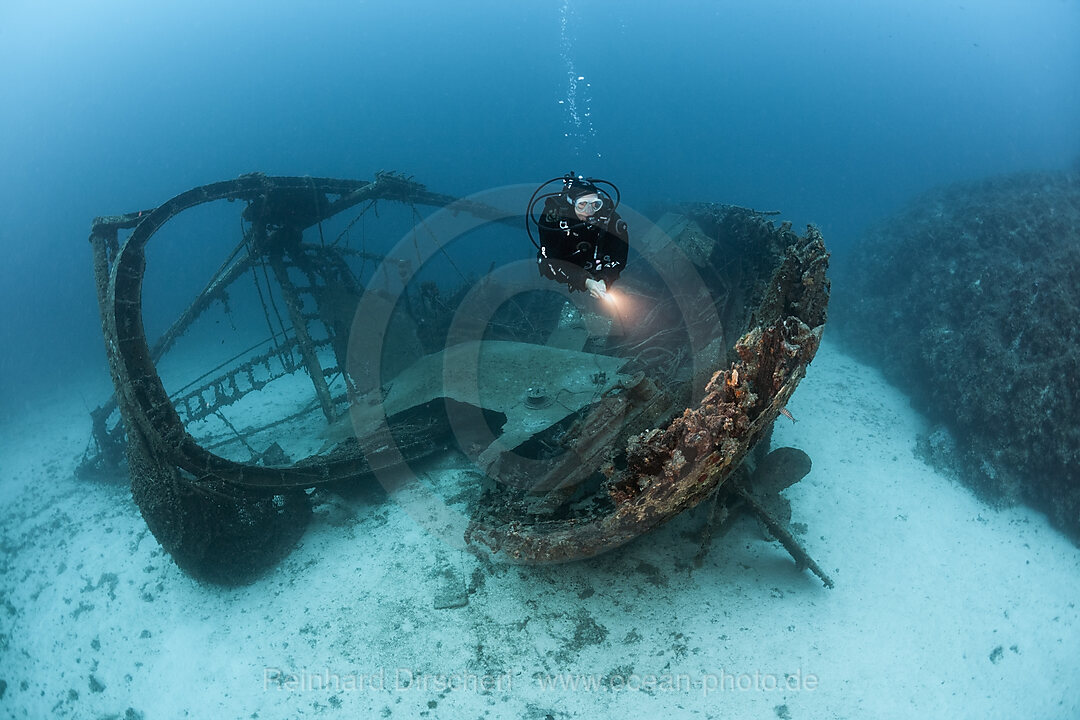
[(578, 124)]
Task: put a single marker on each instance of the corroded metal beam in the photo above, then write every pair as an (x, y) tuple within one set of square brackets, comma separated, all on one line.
[(144, 403)]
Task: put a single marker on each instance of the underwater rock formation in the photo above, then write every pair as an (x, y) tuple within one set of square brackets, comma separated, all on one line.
[(969, 301)]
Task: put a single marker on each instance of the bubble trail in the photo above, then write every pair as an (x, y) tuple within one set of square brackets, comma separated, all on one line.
[(578, 100)]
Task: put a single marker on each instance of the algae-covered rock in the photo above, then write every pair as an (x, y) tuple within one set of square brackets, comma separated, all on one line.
[(969, 300)]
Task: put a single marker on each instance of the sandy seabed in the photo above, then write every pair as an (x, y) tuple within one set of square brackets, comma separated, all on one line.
[(943, 607)]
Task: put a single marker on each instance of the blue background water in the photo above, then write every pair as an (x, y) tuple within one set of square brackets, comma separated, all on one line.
[(834, 112)]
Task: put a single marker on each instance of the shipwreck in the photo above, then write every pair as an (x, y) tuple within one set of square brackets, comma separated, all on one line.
[(319, 355)]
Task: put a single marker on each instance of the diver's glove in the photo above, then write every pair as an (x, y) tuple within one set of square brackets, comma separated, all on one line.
[(596, 288)]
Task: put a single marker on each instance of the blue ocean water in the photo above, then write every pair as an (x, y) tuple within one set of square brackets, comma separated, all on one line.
[(833, 112)]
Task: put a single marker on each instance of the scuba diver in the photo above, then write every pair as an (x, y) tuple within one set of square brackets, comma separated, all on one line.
[(583, 241)]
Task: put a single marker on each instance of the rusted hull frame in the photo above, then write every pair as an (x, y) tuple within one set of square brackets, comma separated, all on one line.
[(144, 404), (671, 470)]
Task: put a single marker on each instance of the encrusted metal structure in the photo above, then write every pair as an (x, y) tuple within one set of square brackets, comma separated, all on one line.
[(662, 418), (674, 467)]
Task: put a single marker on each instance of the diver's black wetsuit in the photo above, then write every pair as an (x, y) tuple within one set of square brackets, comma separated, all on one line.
[(572, 251)]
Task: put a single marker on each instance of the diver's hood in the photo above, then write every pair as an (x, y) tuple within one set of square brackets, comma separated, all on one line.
[(579, 188)]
